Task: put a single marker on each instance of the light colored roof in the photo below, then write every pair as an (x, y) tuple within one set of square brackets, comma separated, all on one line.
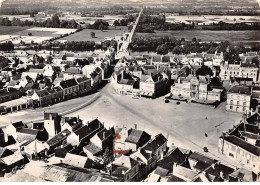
[(75, 160), (183, 172), (125, 161), (11, 159), (35, 146)]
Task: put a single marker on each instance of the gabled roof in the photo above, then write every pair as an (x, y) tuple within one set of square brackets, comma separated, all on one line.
[(76, 160), (202, 158), (156, 143), (239, 89), (137, 136), (28, 131), (125, 161), (59, 137), (88, 129), (174, 156), (18, 124), (92, 148), (245, 175), (4, 152), (106, 133)]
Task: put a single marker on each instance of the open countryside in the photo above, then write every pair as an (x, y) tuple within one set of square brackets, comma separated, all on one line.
[(207, 35)]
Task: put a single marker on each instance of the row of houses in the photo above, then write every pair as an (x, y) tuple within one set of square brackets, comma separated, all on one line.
[(30, 80)]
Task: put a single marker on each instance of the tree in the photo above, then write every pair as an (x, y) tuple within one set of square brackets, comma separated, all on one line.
[(162, 49), (29, 34), (256, 61), (108, 156), (204, 71), (101, 27), (92, 34), (55, 20), (215, 82)]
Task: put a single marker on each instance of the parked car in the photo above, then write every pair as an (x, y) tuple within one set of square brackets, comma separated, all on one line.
[(166, 101), (205, 149)]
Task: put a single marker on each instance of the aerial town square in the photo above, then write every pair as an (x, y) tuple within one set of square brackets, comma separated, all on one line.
[(129, 91)]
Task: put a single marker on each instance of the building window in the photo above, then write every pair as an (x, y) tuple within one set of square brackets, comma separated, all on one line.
[(231, 101), (244, 109), (231, 155), (238, 102)]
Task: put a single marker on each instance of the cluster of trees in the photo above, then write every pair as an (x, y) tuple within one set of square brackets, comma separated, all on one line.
[(54, 22), (69, 46), (148, 24), (7, 46), (227, 26), (163, 45), (98, 25), (124, 22)]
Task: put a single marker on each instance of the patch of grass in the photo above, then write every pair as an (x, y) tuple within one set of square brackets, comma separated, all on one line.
[(206, 35), (7, 30), (84, 35)]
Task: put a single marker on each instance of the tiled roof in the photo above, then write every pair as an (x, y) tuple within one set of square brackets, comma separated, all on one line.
[(202, 158), (92, 148), (18, 124), (174, 156), (136, 136), (59, 137), (88, 129), (240, 90), (155, 143), (68, 83), (28, 131)]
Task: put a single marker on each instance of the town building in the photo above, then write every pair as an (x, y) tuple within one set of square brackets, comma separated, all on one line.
[(239, 99), (241, 144)]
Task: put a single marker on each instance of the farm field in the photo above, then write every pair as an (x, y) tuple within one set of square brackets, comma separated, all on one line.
[(90, 20), (7, 30), (84, 35), (207, 36), (209, 19), (38, 34)]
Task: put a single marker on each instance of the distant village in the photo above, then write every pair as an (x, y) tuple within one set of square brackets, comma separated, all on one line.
[(82, 152)]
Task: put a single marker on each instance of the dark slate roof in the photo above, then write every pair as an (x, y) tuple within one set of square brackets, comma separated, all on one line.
[(202, 158), (106, 133), (254, 119), (4, 92), (173, 178), (248, 65), (68, 83), (161, 171), (88, 129), (28, 131), (18, 124), (216, 169), (155, 143), (136, 136), (92, 148), (38, 126), (157, 77), (243, 144), (62, 151), (4, 152), (59, 137), (239, 79), (240, 90), (174, 156)]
